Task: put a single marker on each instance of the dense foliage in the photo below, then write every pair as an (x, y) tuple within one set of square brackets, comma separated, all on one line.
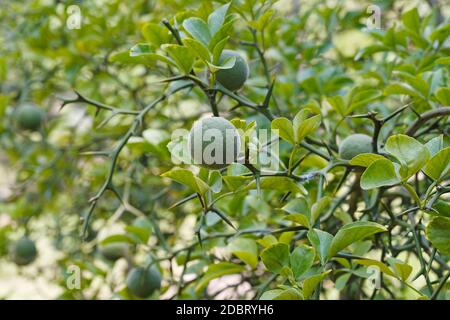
[(96, 201)]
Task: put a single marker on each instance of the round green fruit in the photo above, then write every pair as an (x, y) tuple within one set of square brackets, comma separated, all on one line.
[(214, 143), (142, 282), (355, 144), (234, 78), (24, 251), (113, 251), (143, 223), (29, 117)]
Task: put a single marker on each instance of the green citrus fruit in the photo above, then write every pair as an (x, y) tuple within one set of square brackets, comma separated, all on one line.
[(234, 78), (24, 251), (142, 282), (143, 223), (29, 117), (355, 144), (114, 251), (214, 143)]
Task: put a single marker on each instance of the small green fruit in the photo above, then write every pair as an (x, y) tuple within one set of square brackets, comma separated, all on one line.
[(114, 251), (143, 223), (29, 117), (142, 282), (355, 144), (234, 78), (214, 143), (24, 251)]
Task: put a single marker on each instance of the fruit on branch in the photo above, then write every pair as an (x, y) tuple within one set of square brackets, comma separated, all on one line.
[(24, 251), (355, 144), (114, 251), (234, 78), (214, 143), (29, 117), (143, 223), (142, 282)]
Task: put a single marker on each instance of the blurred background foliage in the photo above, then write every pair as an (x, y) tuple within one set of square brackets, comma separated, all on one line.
[(321, 53)]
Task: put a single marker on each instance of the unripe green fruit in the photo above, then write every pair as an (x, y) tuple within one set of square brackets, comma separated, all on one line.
[(214, 143), (24, 251), (29, 117), (355, 144), (143, 223), (142, 282), (234, 78), (113, 251)]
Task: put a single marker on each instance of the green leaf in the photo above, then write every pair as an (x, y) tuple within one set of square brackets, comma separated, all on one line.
[(215, 181), (411, 20), (198, 29), (182, 55), (402, 269), (417, 83), (302, 259), (304, 126), (144, 51), (443, 96), (277, 183), (319, 208), (351, 233), (267, 241), (380, 173), (140, 49), (411, 153), (310, 283), (299, 218), (217, 18), (321, 241), (125, 58), (438, 232), (156, 34), (221, 34), (439, 165), (263, 21), (342, 281), (443, 207), (285, 129), (245, 249), (282, 294), (338, 104), (435, 145), (399, 88), (276, 257), (361, 96), (187, 178), (365, 159), (217, 50), (440, 34), (201, 51), (443, 60), (121, 238), (215, 271), (380, 265), (226, 64), (139, 54), (297, 205), (236, 182)]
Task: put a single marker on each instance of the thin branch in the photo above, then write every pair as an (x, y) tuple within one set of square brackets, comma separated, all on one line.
[(424, 117), (99, 105), (108, 184)]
